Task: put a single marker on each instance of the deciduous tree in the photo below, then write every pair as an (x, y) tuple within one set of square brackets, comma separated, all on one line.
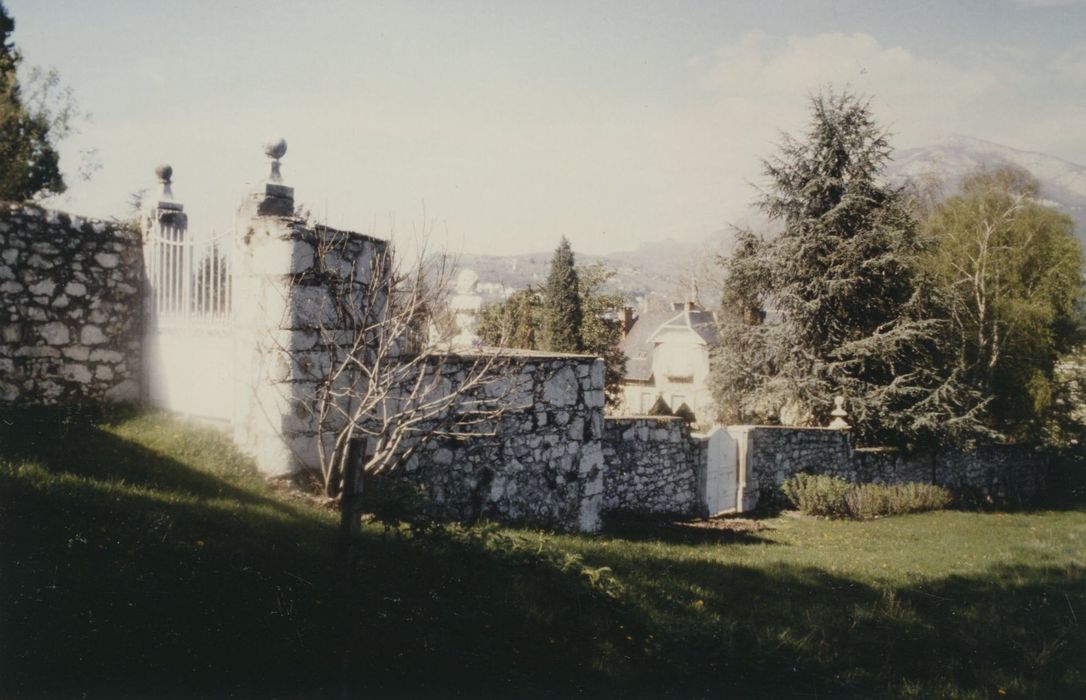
[(516, 322), (1010, 270)]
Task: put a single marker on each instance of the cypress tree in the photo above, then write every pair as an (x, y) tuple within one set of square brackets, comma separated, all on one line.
[(562, 314)]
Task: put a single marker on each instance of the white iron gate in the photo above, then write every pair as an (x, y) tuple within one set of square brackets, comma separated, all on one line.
[(188, 337)]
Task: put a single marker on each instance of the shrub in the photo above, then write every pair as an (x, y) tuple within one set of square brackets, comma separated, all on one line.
[(875, 500), (686, 413), (394, 502), (836, 498), (815, 494)]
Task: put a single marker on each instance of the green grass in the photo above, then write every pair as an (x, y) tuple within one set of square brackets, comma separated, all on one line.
[(142, 557)]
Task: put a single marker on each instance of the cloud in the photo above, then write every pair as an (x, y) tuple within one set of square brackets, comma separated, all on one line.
[(758, 85), (763, 80)]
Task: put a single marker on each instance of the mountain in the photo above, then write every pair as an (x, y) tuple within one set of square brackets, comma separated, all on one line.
[(1063, 184), (663, 271), (659, 272)]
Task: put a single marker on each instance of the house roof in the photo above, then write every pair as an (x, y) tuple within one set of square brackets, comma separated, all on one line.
[(698, 321), (640, 342)]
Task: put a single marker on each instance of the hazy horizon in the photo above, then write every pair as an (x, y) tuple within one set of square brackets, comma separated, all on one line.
[(614, 125)]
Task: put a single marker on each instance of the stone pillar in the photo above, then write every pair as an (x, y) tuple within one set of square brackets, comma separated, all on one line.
[(279, 302), (163, 217), (269, 248)]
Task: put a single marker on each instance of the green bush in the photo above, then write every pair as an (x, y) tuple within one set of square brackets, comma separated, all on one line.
[(832, 497), (394, 502), (815, 494), (867, 501)]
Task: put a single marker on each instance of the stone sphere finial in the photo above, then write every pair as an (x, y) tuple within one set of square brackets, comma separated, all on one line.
[(275, 148), (165, 173)]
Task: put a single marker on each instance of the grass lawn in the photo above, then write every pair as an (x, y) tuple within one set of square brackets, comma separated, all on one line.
[(142, 557)]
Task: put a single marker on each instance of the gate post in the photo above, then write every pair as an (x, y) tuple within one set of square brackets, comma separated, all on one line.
[(286, 274), (164, 218), (267, 250)]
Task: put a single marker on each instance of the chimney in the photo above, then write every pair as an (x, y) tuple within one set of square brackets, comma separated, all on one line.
[(627, 320)]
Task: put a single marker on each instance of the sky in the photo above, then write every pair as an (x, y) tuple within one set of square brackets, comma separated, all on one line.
[(502, 126)]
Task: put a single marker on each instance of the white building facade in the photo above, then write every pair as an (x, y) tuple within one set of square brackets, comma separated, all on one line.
[(667, 358)]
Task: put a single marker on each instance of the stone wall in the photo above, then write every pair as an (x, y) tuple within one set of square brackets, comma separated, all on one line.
[(283, 271), (772, 454), (775, 453), (70, 308), (543, 466), (1001, 473), (653, 466)]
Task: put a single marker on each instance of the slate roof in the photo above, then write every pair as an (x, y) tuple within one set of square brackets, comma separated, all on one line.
[(640, 341)]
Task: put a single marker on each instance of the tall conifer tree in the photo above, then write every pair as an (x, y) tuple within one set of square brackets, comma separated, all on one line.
[(562, 313), (853, 305)]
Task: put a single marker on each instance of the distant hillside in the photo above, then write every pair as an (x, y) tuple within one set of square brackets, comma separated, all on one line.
[(663, 270), (1063, 184)]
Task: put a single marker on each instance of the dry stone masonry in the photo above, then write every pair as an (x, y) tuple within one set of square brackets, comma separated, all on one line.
[(545, 466), (1004, 473), (775, 453), (653, 466), (70, 308), (769, 455), (72, 305)]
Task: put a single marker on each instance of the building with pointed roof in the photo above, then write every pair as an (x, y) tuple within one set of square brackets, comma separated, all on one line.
[(667, 357)]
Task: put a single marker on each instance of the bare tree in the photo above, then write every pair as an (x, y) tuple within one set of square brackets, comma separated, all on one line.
[(381, 388)]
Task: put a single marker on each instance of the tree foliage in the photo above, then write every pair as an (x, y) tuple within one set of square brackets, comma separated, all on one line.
[(30, 126), (854, 309), (601, 327), (515, 323), (562, 312), (1010, 270), (519, 322), (737, 371)]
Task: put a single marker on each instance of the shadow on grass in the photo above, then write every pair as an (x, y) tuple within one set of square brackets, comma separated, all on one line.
[(75, 443), (636, 528), (788, 631), (110, 591)]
